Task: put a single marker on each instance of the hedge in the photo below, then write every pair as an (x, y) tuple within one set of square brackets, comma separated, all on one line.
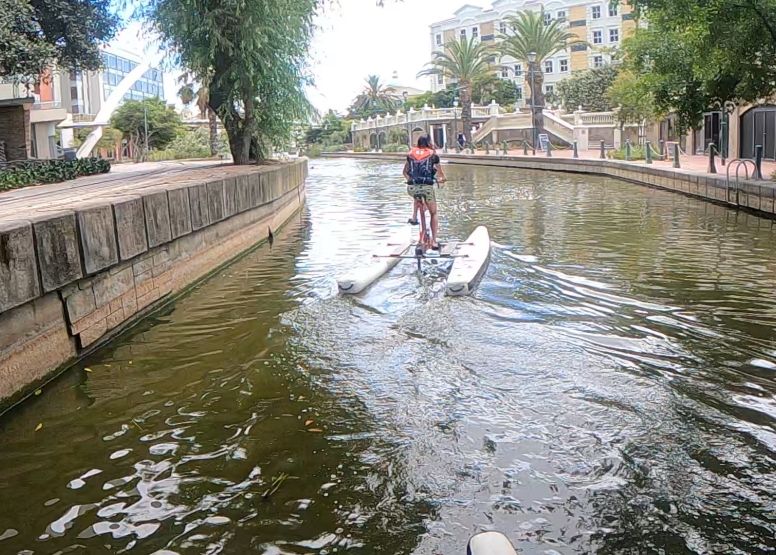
[(22, 174)]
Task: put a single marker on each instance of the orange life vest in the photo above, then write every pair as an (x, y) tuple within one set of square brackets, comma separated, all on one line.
[(421, 169)]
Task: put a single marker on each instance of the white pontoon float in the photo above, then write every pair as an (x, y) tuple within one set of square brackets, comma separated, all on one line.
[(470, 258)]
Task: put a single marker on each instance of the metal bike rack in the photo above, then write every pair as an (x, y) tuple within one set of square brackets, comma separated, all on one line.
[(738, 162)]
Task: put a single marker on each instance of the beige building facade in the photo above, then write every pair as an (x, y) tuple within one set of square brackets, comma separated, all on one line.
[(601, 23)]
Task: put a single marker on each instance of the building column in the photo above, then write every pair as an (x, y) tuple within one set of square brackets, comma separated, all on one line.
[(43, 132)]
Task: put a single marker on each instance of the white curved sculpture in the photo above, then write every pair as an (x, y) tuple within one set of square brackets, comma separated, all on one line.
[(103, 116)]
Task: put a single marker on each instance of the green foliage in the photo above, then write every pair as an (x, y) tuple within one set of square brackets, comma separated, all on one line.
[(397, 135), (314, 151), (439, 99), (332, 130), (587, 89), (698, 54), (108, 140), (36, 34), (163, 121), (252, 54), (375, 99), (393, 147), (465, 61), (491, 87), (634, 98), (638, 152), (18, 175)]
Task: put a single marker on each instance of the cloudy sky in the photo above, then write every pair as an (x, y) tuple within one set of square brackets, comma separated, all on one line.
[(356, 38)]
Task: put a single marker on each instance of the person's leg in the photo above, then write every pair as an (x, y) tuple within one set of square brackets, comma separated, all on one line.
[(432, 209), (411, 192), (422, 239)]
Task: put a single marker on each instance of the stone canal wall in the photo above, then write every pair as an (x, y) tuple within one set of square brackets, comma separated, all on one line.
[(71, 279), (757, 196)]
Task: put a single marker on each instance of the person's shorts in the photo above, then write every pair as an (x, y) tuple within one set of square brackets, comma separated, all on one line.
[(425, 192)]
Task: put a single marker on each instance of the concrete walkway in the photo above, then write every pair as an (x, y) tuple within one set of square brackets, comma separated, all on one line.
[(123, 179), (690, 164)]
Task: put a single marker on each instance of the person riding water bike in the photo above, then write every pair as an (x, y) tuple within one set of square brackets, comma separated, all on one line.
[(420, 170)]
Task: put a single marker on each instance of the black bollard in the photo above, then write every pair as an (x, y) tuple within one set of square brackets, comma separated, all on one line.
[(676, 155), (758, 161), (648, 152), (603, 151), (576, 151), (712, 165)]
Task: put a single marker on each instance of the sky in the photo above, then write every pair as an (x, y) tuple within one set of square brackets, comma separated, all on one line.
[(355, 38)]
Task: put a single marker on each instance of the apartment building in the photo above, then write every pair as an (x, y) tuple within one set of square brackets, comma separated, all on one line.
[(29, 115), (87, 91), (599, 22)]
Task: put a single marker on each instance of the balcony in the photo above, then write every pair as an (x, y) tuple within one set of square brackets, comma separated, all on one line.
[(83, 118)]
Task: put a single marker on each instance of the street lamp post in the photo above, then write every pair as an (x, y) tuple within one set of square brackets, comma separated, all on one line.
[(404, 95), (531, 60), (455, 123)]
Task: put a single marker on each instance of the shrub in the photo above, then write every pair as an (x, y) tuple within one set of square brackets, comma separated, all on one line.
[(335, 148), (393, 147), (638, 152), (22, 174), (314, 151)]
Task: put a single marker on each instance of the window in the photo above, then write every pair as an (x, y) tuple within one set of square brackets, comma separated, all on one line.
[(561, 15), (439, 39), (547, 18), (505, 73), (598, 61), (614, 35), (595, 12), (463, 33), (519, 93), (502, 27), (548, 66), (112, 62), (475, 32), (549, 89), (564, 66), (613, 7), (598, 37), (518, 70), (440, 79)]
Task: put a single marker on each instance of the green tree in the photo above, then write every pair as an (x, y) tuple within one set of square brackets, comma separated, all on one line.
[(201, 95), (108, 140), (37, 34), (439, 99), (699, 54), (252, 54), (587, 89), (491, 87), (333, 129), (375, 99), (164, 123), (528, 35), (464, 61), (633, 99)]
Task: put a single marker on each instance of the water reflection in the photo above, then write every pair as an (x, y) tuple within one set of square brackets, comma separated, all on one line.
[(608, 388)]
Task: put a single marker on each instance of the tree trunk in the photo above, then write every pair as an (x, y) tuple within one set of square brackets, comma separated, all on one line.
[(466, 111), (537, 96), (213, 123)]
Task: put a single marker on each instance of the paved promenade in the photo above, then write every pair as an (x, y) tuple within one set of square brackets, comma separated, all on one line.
[(689, 164), (123, 179)]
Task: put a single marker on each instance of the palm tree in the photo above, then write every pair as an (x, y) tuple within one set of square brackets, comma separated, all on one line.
[(528, 36), (375, 99), (187, 94), (463, 61)]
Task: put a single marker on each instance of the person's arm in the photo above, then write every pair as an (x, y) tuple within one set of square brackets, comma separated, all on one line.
[(442, 177), (406, 171)]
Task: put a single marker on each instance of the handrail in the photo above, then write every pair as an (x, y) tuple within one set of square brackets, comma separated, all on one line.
[(738, 162)]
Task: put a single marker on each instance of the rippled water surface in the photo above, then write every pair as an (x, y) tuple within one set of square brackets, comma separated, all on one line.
[(609, 388)]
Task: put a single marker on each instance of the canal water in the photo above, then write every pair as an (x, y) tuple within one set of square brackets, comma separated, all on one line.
[(609, 388)]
